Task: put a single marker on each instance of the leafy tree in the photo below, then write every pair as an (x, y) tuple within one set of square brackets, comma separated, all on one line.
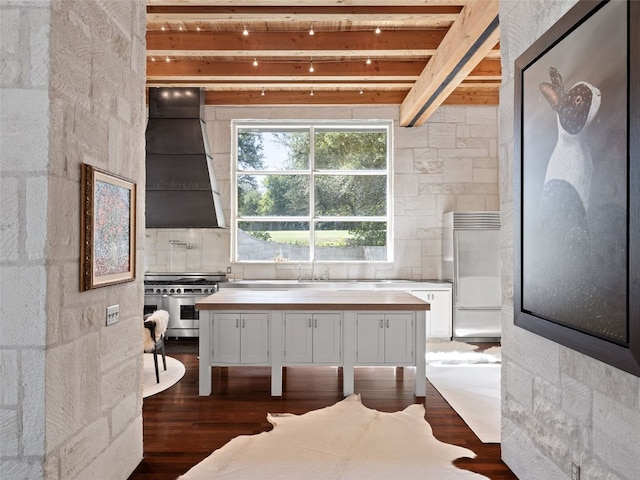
[(286, 195), (371, 234), (250, 157)]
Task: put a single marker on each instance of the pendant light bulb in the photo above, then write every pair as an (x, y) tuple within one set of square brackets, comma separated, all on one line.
[(311, 94), (311, 69), (368, 62), (245, 32), (311, 32), (378, 30), (262, 93), (255, 62)]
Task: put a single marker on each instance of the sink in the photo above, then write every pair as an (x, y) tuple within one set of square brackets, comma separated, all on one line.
[(328, 284)]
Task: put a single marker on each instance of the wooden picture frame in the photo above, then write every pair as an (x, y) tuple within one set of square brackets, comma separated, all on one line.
[(108, 229), (577, 183)]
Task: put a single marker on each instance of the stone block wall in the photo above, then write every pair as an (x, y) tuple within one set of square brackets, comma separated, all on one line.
[(449, 163), (558, 406), (72, 92)]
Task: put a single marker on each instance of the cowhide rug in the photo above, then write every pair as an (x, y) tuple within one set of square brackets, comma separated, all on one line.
[(346, 441)]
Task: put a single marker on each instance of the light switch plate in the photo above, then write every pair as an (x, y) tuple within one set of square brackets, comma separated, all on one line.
[(113, 314), (575, 471)]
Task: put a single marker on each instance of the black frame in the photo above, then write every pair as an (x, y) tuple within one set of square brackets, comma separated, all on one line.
[(624, 355)]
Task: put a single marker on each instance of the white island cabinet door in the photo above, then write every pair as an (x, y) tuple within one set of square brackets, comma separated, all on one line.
[(327, 338), (225, 338), (370, 339), (398, 338), (298, 338), (254, 338)]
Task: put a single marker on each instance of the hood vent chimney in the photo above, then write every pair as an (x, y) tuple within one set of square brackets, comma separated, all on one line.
[(181, 187)]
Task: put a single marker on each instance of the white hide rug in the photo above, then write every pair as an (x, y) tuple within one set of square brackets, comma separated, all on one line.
[(175, 371), (346, 441), (473, 391), (444, 352)]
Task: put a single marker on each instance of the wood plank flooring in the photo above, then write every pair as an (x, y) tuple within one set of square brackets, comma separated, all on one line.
[(182, 428)]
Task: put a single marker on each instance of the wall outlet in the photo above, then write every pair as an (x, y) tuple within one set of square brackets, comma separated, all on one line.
[(113, 314), (575, 471), (228, 269)]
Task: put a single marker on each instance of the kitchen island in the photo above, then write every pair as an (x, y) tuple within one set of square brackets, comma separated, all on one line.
[(344, 328)]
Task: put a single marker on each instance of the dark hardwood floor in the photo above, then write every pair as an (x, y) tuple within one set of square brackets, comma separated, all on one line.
[(182, 428)]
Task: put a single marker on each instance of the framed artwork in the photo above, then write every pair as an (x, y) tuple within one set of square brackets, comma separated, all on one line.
[(577, 183), (108, 229)]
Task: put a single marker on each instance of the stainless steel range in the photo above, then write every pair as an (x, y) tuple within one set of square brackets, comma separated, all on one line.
[(178, 293)]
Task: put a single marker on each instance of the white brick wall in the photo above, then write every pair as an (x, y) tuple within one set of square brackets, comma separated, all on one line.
[(559, 406), (448, 163), (67, 98)]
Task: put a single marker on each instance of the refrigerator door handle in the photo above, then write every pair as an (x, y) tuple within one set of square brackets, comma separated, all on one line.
[(456, 266)]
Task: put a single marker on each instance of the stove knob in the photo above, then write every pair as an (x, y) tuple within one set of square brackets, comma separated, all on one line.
[(171, 291), (158, 290), (206, 290), (164, 290), (178, 290)]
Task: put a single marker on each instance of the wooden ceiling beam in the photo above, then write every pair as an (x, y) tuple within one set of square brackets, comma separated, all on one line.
[(333, 97), (290, 87), (216, 69), (212, 69), (222, 43), (307, 3), (420, 14), (319, 97), (467, 42)]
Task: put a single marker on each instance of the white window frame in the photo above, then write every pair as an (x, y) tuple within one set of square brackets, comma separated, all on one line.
[(312, 124)]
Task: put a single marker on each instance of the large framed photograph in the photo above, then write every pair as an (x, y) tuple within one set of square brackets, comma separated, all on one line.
[(108, 229), (577, 183)]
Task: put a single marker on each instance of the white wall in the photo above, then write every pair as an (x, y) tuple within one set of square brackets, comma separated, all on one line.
[(72, 92), (450, 163), (558, 405)]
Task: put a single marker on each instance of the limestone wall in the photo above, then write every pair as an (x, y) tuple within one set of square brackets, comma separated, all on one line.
[(450, 163), (72, 91), (559, 406)]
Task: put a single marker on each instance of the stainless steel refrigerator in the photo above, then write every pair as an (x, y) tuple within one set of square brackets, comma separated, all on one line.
[(471, 261)]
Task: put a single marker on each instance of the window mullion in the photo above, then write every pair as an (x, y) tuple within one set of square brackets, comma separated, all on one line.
[(312, 195)]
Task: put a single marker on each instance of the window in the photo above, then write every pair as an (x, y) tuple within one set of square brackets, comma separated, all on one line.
[(311, 192)]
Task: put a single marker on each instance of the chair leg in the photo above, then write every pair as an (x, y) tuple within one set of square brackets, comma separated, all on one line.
[(155, 363), (164, 358)]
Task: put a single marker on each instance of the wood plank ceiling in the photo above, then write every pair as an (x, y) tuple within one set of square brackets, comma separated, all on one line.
[(418, 54)]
